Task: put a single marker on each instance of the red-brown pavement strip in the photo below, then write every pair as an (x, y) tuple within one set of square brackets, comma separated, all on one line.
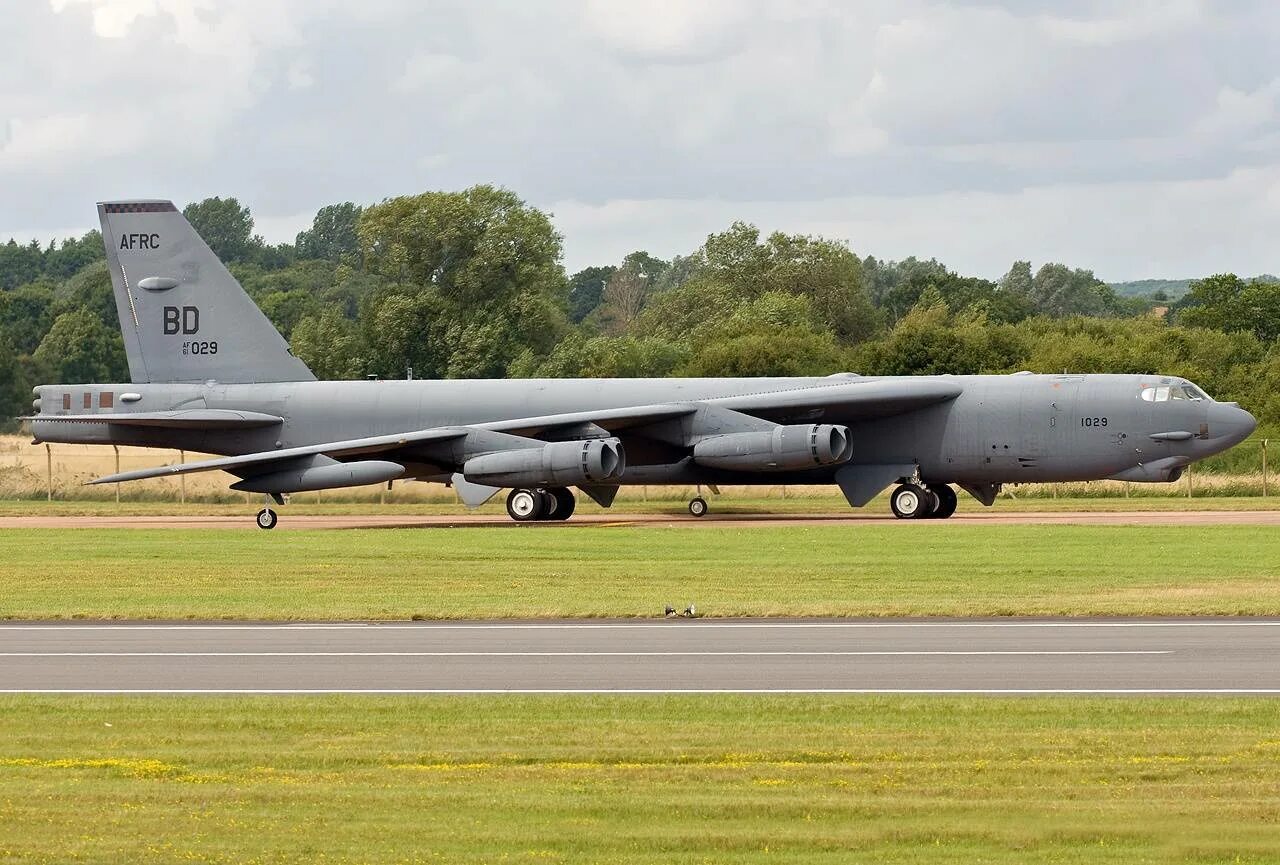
[(366, 521)]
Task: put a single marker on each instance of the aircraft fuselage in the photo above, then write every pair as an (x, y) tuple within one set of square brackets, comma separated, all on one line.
[(1000, 429)]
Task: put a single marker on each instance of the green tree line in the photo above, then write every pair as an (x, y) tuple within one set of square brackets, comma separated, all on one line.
[(470, 284)]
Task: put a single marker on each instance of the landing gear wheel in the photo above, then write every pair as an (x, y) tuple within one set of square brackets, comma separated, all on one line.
[(524, 505), (266, 519), (698, 507), (550, 504), (946, 501), (564, 503), (912, 502)]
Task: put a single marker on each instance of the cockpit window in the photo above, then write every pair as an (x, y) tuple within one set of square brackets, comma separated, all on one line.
[(1164, 393)]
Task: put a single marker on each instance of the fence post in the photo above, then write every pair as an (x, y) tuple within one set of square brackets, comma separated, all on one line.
[(1264, 467), (116, 448), (182, 479), (48, 470)]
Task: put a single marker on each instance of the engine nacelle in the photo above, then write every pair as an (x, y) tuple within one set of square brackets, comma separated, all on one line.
[(783, 448), (321, 473), (559, 464)]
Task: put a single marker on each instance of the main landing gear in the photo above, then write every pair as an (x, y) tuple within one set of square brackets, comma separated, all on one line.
[(553, 503), (923, 502)]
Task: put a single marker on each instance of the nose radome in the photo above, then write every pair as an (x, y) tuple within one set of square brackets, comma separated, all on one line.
[(1230, 422)]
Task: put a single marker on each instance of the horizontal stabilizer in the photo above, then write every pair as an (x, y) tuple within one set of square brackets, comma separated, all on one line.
[(189, 419)]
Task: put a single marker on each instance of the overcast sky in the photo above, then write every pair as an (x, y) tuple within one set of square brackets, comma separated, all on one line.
[(1139, 139)]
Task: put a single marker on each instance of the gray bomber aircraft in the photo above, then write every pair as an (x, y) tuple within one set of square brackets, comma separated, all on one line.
[(209, 373)]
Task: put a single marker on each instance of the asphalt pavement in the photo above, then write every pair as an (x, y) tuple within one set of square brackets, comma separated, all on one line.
[(1212, 656)]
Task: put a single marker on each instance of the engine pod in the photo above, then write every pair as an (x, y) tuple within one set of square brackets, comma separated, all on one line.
[(558, 464), (783, 448)]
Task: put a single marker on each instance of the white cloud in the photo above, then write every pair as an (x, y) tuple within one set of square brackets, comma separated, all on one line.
[(670, 30), (1121, 230), (300, 76), (1139, 19), (113, 18), (667, 119)]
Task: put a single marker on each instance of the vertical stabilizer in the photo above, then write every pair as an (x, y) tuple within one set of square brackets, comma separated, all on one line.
[(184, 317)]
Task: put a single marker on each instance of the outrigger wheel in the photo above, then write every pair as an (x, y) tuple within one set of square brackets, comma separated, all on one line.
[(267, 519), (698, 506)]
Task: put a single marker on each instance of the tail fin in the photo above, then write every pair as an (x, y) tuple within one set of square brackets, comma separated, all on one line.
[(184, 317)]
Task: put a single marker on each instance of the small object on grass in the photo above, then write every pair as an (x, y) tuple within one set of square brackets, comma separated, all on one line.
[(690, 612), (669, 611)]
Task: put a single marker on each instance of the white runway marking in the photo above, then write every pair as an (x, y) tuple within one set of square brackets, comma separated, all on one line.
[(648, 691), (690, 654)]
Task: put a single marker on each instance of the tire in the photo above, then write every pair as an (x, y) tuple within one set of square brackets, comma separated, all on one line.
[(564, 503), (911, 502), (698, 507), (550, 505), (947, 501), (524, 505), (266, 519)]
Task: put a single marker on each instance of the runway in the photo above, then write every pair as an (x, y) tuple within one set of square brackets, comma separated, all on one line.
[(1155, 656), (292, 522)]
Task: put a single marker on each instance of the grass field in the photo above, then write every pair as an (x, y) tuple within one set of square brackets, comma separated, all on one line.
[(862, 569), (639, 780), (744, 503)]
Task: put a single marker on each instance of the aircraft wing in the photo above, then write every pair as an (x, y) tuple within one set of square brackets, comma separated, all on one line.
[(847, 399), (351, 447), (842, 399), (612, 420)]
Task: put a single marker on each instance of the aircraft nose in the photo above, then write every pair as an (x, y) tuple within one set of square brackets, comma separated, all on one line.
[(1230, 423)]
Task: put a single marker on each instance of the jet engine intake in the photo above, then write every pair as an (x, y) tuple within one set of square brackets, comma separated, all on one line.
[(559, 464), (784, 448)]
